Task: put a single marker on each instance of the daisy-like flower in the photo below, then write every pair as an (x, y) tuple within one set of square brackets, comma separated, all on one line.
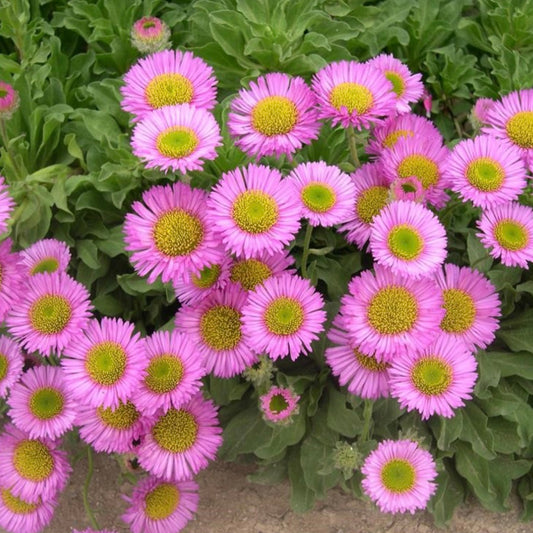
[(149, 35), (41, 404), (472, 306), (408, 238), (283, 316), (398, 476), (11, 278), (169, 234), (173, 372), (480, 111), (407, 189), (250, 273), (386, 135), (353, 94), (52, 310), (6, 204), (158, 506), (279, 405), (436, 380), (407, 87), (363, 375), (215, 327), (325, 193), (387, 314), (178, 138), (9, 100), (46, 255), (32, 468), (182, 441), (275, 116), (507, 230), (486, 171), (11, 363), (371, 196), (254, 211), (112, 430), (20, 516), (168, 78), (106, 364), (193, 287)]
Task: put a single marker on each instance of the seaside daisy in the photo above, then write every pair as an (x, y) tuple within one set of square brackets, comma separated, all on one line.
[(507, 230), (353, 94), (283, 316), (486, 171), (157, 506), (169, 234), (46, 255), (32, 468), (168, 78), (472, 306), (106, 363), (9, 100), (49, 313), (407, 189), (325, 193), (398, 476), (149, 35), (41, 404), (215, 326), (181, 441), (11, 363), (6, 204), (407, 87), (408, 238), (176, 138), (279, 405), (11, 278), (275, 116), (436, 380), (173, 372), (253, 211)]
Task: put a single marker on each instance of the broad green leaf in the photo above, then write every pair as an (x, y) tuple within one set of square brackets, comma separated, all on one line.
[(517, 332)]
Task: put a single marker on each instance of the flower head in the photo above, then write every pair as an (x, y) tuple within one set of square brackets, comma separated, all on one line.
[(279, 404), (11, 363), (6, 204), (46, 255), (407, 189), (150, 34), (9, 100), (480, 111), (11, 278)]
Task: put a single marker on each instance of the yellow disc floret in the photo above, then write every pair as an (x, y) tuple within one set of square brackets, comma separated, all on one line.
[(255, 211), (220, 327), (177, 233), (250, 273), (421, 167), (398, 83), (405, 242), (106, 362), (318, 197), (33, 460), (50, 314), (485, 174), (161, 501), (284, 316), (371, 202), (460, 311), (207, 278), (352, 96), (48, 264), (177, 142), (46, 403), (121, 418), (274, 115), (176, 431), (398, 475), (511, 235), (169, 89), (164, 373), (391, 139), (369, 362), (519, 128), (392, 310), (431, 375), (16, 505)]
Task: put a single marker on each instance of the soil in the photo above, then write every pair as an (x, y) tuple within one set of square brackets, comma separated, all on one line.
[(231, 504)]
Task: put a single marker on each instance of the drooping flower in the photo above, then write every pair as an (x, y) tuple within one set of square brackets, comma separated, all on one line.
[(408, 238), (507, 230), (275, 116), (158, 506), (283, 316), (41, 404), (181, 441), (106, 364), (472, 306), (253, 211), (53, 309), (407, 87), (149, 35), (398, 476), (169, 233), (9, 100), (32, 468), (173, 372), (11, 363), (279, 405), (325, 193), (6, 204), (407, 189), (46, 255), (215, 326), (177, 138), (353, 94), (168, 78), (486, 171), (436, 380)]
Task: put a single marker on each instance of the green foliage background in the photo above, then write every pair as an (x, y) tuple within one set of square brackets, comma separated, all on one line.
[(74, 177)]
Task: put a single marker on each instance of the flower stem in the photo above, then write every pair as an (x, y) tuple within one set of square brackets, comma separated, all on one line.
[(350, 132), (367, 419), (88, 510), (5, 140), (305, 255)]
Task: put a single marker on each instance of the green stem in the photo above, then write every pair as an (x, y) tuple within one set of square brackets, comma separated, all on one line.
[(352, 143), (367, 419), (5, 140), (88, 509), (305, 255)]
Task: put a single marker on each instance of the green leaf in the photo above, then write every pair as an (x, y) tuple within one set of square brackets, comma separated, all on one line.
[(224, 391), (450, 493), (270, 474), (478, 255), (315, 453), (517, 332), (475, 431), (302, 497), (342, 418), (446, 430)]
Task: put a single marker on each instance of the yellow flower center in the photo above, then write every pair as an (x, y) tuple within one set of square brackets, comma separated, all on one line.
[(274, 115), (460, 311), (278, 403), (371, 202), (398, 475), (398, 83), (405, 242), (207, 278), (318, 197), (177, 233), (48, 264), (421, 167), (176, 431), (122, 418), (177, 142), (33, 460), (164, 373), (106, 362), (46, 403), (352, 96), (254, 211), (392, 310), (519, 128), (284, 316), (431, 375), (220, 327), (162, 501), (16, 505), (250, 273), (511, 235), (392, 138), (3, 366), (369, 362), (169, 89), (485, 174), (50, 314)]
